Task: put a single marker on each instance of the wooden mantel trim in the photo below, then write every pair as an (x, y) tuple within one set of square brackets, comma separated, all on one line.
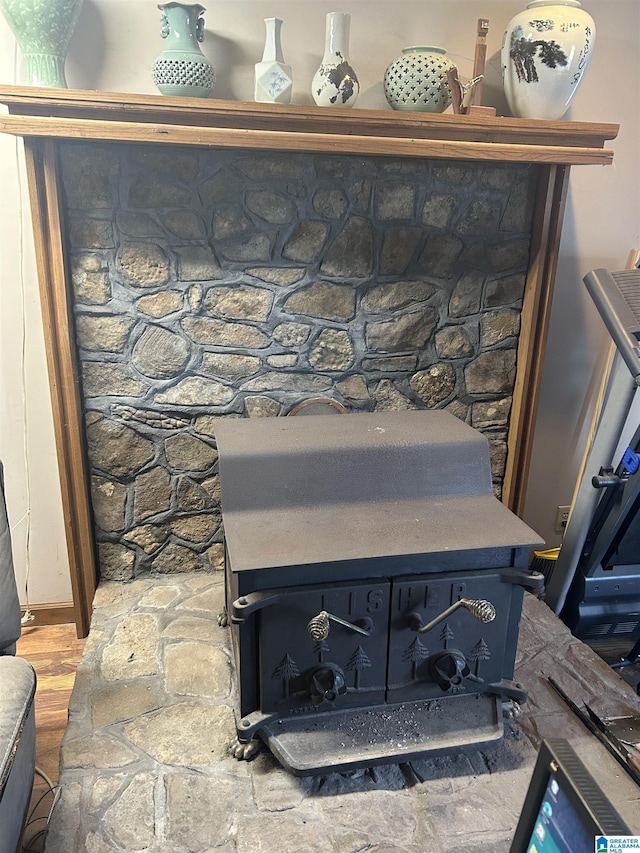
[(75, 114), (315, 143)]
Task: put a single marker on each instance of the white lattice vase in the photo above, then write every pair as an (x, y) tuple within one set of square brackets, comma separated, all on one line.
[(335, 83), (417, 80), (182, 69), (43, 30), (545, 53), (273, 78)]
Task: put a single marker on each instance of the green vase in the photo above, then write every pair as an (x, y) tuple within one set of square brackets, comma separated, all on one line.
[(182, 69), (43, 30)]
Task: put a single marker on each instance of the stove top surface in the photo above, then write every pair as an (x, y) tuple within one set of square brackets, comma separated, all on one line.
[(305, 491), (310, 535)]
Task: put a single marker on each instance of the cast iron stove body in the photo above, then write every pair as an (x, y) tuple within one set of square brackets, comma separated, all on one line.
[(374, 586)]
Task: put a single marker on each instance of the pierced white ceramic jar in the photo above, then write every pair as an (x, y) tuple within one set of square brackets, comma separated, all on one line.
[(417, 80), (545, 52), (182, 69)]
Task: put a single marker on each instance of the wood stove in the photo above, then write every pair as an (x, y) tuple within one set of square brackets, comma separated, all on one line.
[(374, 587)]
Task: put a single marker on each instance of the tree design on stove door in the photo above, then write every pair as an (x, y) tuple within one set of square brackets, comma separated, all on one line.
[(479, 652), (320, 648), (357, 662), (445, 635), (414, 655), (286, 670)]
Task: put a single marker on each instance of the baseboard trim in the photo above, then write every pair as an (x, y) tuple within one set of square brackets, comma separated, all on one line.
[(51, 614)]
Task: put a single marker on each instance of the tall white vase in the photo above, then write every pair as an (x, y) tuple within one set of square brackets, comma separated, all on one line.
[(545, 53), (43, 30), (335, 83), (273, 78)]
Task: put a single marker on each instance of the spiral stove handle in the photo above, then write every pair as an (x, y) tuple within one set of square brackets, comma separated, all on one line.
[(318, 627), (482, 609)]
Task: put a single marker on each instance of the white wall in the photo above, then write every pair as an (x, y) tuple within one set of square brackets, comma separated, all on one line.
[(602, 225), (113, 48), (35, 485)]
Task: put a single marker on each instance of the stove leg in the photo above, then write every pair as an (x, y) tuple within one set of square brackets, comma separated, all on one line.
[(509, 690), (511, 709), (245, 751)]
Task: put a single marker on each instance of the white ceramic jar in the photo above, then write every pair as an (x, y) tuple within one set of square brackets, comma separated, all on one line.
[(545, 52)]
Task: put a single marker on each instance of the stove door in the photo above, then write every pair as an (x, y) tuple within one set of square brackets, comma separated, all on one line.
[(323, 648), (459, 654)]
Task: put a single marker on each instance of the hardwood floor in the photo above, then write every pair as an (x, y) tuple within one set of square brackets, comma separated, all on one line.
[(54, 652)]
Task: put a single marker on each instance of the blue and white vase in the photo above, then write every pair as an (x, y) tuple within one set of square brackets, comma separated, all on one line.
[(545, 53), (335, 83), (273, 78), (182, 69)]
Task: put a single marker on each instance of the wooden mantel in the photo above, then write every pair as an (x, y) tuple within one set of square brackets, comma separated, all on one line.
[(44, 116), (231, 124)]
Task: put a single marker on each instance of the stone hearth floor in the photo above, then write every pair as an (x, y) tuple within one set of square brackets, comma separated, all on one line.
[(146, 765)]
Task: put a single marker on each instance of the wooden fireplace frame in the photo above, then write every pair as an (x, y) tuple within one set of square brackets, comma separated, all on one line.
[(42, 116)]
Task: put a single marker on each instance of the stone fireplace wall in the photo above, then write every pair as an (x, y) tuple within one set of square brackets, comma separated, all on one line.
[(216, 283)]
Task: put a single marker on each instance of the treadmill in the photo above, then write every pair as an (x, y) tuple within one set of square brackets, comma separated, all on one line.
[(595, 583)]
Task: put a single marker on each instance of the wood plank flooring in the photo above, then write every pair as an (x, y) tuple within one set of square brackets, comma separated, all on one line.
[(54, 652)]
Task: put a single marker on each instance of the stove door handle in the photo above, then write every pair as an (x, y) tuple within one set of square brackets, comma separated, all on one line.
[(248, 604), (482, 609), (318, 627)]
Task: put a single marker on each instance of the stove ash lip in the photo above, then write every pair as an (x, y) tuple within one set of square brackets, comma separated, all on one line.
[(330, 742)]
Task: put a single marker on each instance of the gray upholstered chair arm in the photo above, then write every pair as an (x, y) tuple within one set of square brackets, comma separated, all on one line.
[(17, 691), (17, 747)]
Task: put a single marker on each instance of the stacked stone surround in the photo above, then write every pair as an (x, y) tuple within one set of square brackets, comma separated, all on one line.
[(212, 284)]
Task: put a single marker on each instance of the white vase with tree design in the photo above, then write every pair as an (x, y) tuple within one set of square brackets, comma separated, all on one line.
[(545, 52), (43, 30), (335, 83), (273, 78)]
